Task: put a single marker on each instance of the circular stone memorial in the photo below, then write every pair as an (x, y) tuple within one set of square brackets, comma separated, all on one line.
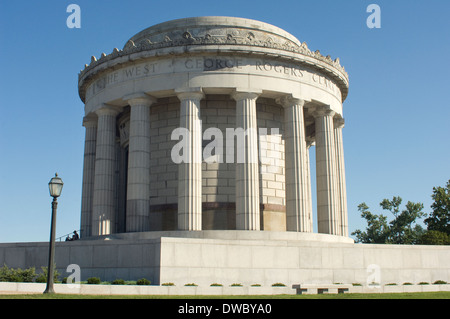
[(205, 124)]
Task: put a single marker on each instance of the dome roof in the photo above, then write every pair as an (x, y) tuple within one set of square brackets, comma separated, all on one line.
[(214, 30)]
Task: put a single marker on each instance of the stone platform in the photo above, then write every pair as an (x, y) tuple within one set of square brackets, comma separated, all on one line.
[(9, 288), (243, 257)]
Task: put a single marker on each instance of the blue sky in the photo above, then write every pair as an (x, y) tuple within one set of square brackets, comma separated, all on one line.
[(397, 113)]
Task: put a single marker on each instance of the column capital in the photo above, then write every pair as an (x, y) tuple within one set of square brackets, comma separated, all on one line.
[(106, 109), (310, 141), (194, 93), (90, 120), (242, 94), (322, 110), (339, 122), (139, 99), (289, 100)]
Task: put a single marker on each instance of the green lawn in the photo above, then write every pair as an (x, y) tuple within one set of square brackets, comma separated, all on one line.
[(424, 295)]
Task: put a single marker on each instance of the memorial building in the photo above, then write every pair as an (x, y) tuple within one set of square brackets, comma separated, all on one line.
[(233, 75)]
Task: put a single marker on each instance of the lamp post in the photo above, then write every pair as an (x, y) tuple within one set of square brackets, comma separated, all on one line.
[(55, 186)]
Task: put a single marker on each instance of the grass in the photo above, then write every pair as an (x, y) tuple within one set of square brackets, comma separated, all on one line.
[(421, 295)]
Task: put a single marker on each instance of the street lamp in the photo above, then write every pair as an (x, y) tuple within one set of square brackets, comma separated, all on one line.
[(55, 186)]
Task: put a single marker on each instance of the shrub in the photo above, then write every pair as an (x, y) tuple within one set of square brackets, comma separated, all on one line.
[(256, 285), (278, 284), (42, 277), (236, 285), (27, 275), (118, 282), (190, 285), (93, 281), (143, 282), (216, 285), (4, 273), (391, 284), (423, 283), (356, 284), (439, 282), (168, 284), (17, 275)]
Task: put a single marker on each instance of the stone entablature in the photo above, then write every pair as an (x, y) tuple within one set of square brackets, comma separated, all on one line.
[(239, 68)]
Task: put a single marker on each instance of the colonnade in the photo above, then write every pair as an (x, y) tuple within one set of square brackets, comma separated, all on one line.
[(98, 212)]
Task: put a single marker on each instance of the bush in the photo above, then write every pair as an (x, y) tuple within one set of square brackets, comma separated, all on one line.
[(27, 275), (143, 282), (278, 284), (17, 275), (93, 281), (216, 285), (256, 285), (236, 285), (118, 282), (168, 284), (439, 282), (42, 277), (190, 285)]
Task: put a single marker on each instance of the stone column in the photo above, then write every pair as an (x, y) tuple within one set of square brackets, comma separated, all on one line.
[(247, 172), (190, 171), (298, 218), (341, 184), (103, 210), (327, 202), (90, 141), (138, 184)]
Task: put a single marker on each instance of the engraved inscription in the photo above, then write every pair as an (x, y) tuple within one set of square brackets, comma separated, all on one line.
[(140, 70), (279, 68), (212, 64), (323, 81)]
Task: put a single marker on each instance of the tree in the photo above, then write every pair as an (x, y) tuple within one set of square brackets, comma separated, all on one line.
[(434, 237), (401, 230), (377, 227), (439, 219)]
